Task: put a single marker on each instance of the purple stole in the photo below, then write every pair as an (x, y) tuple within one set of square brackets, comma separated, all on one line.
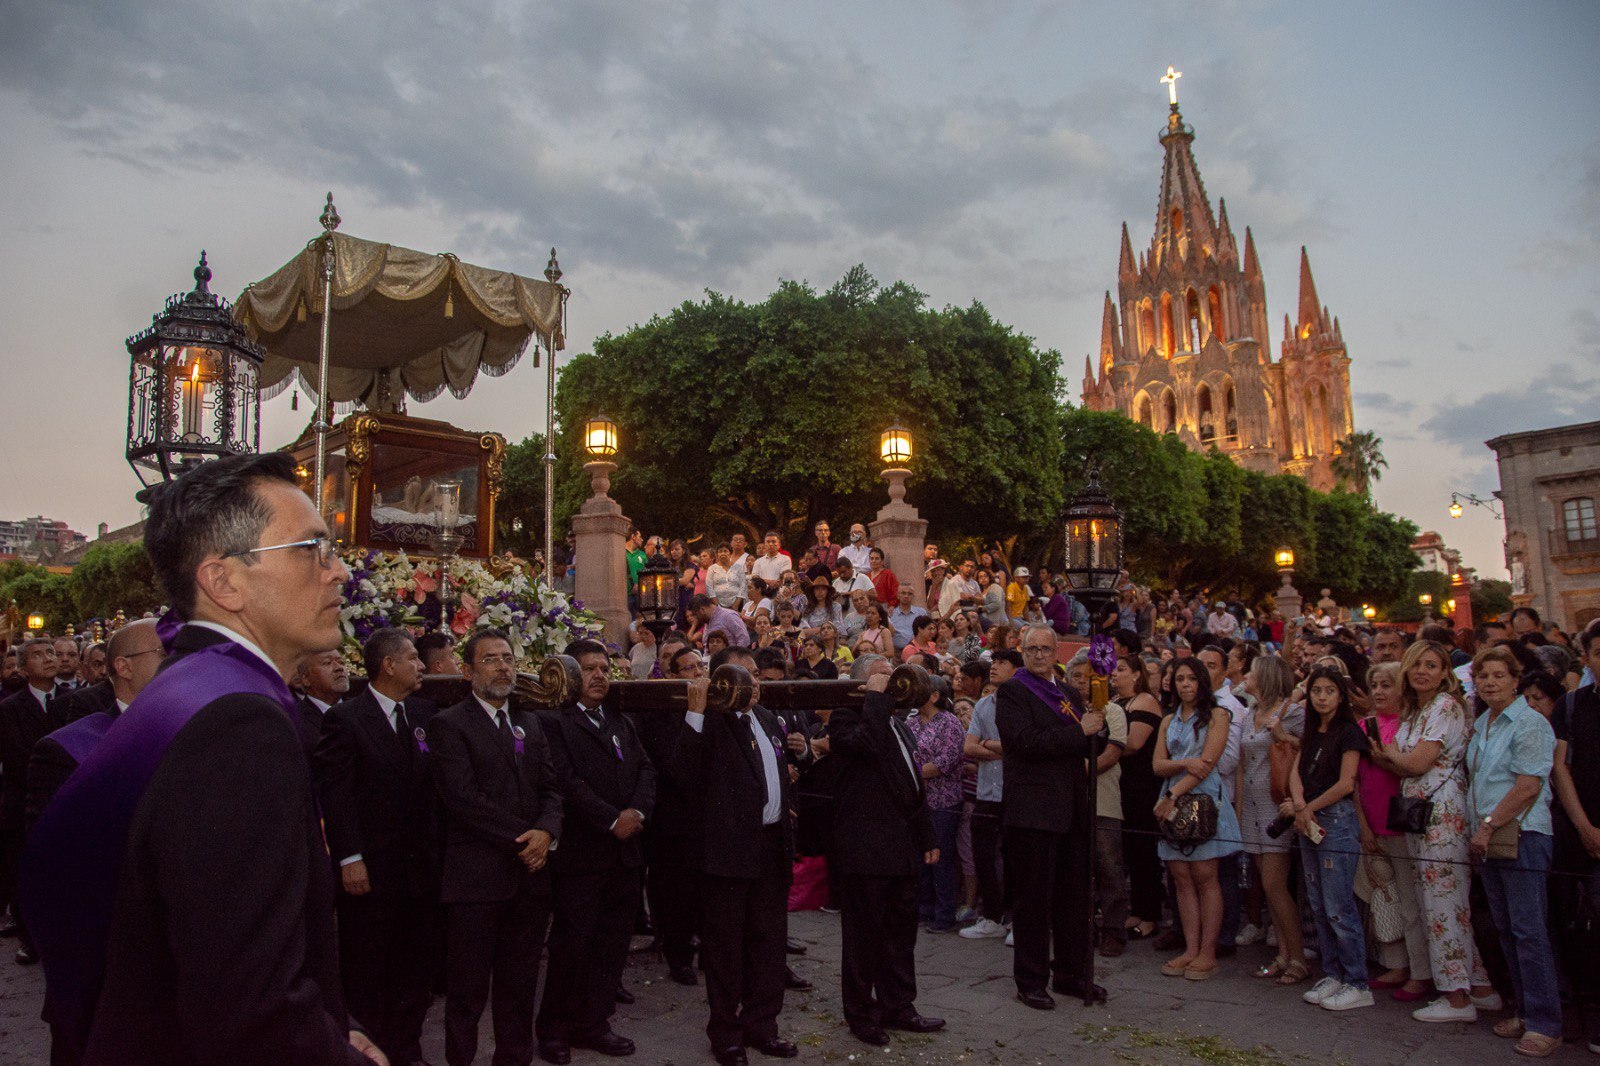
[(1050, 694), (80, 738), (71, 867)]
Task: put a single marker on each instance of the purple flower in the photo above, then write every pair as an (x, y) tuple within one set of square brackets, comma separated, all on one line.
[(1102, 655)]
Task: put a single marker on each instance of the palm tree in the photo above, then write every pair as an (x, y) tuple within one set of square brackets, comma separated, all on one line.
[(1358, 461)]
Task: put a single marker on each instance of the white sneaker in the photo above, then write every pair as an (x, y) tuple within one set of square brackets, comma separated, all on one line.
[(1272, 936), (1249, 934), (1348, 997), (1440, 1010), (983, 929), (1011, 940), (1490, 1002), (1325, 987)]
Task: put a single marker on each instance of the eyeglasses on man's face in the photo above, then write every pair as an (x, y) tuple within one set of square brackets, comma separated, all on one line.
[(320, 547)]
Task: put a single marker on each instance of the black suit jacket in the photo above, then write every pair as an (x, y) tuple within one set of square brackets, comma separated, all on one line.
[(377, 792), (881, 826), (721, 763), (597, 785), (673, 834), (94, 699), (491, 796), (309, 725), (22, 723), (222, 943), (1045, 759)]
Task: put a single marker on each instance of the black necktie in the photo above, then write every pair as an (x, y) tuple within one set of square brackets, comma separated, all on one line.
[(596, 717), (402, 728), (505, 728), (750, 726)]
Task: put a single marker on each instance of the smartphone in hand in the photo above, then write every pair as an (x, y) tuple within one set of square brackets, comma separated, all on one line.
[(1372, 730)]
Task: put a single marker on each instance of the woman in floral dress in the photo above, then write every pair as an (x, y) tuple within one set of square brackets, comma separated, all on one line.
[(1428, 753)]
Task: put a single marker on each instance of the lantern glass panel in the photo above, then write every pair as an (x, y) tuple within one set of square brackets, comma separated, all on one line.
[(600, 437), (896, 446), (1284, 558)]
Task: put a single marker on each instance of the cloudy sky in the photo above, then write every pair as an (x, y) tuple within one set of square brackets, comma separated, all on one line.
[(1441, 161)]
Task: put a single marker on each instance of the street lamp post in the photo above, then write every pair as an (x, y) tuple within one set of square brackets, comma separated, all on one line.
[(1289, 601), (899, 530), (599, 534), (552, 273)]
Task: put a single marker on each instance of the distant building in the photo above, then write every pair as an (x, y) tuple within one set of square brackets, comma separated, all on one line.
[(1549, 483), (37, 538), (1432, 554), (1186, 347)]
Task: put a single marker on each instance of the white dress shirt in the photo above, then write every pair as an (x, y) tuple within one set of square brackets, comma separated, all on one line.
[(769, 760)]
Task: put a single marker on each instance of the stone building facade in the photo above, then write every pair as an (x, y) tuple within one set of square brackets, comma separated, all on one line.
[(1550, 485), (1185, 347)]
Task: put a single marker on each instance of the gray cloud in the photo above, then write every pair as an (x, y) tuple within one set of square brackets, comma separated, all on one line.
[(1383, 403), (1558, 394)]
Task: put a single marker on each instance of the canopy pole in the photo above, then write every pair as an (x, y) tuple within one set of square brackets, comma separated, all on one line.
[(552, 273), (330, 222)]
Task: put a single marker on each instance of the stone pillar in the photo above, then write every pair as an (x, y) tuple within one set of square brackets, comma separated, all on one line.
[(901, 532), (599, 534), (1289, 604), (1461, 592)]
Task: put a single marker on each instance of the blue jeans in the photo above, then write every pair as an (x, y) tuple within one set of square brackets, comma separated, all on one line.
[(937, 904), (1516, 891), (1330, 875)]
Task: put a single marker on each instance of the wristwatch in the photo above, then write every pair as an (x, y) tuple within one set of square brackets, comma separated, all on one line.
[(1488, 822)]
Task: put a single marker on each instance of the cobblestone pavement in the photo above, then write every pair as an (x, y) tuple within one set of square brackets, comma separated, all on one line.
[(1231, 1020)]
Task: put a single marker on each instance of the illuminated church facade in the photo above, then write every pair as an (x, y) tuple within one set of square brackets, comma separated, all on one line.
[(1185, 349)]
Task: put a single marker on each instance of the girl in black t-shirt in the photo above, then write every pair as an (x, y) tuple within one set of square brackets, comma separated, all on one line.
[(1321, 786)]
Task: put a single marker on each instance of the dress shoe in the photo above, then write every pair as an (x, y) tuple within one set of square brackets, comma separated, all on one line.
[(1111, 946), (794, 947), (556, 1051), (625, 997), (914, 1023), (773, 1047), (871, 1034), (1037, 1000), (1169, 940), (10, 929), (607, 1043), (1075, 989), (684, 975), (27, 956), (794, 982), (732, 1055)]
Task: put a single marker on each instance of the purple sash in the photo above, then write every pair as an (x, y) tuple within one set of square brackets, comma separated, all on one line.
[(69, 872), (83, 736), (1050, 694)]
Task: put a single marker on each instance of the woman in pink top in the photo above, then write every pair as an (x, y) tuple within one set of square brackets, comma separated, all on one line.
[(1376, 786)]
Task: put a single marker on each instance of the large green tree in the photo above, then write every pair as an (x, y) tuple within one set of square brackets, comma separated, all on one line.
[(113, 577), (1360, 461), (767, 416)]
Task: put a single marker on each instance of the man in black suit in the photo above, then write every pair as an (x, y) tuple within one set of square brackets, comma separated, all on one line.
[(608, 786), (178, 884), (379, 813), (26, 716), (1048, 820), (735, 764), (134, 654), (68, 661), (881, 837), (503, 815), (672, 841), (322, 679)]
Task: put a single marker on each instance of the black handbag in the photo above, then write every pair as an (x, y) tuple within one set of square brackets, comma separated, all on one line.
[(1410, 814), (1193, 821)]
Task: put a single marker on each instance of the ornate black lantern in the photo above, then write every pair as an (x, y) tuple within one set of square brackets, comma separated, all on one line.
[(658, 595), (192, 392), (1094, 544)]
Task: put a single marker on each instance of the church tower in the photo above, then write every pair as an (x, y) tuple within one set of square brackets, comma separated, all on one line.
[(1185, 347)]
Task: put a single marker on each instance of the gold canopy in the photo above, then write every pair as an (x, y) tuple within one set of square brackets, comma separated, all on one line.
[(405, 323)]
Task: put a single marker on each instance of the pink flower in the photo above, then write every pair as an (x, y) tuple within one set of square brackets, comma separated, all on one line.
[(466, 615), (422, 585)]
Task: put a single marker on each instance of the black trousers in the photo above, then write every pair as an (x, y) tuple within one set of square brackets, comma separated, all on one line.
[(673, 887), (742, 947), (994, 889), (878, 923), (500, 943), (591, 927), (1143, 864), (386, 951), (1050, 871)]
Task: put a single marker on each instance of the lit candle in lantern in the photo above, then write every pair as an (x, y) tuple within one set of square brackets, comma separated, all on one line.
[(449, 504), (193, 404)]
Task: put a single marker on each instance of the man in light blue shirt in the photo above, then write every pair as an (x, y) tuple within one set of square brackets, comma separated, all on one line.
[(983, 745), (902, 617)]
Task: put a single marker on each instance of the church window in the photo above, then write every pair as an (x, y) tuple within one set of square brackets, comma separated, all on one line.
[(1579, 518), (1169, 412), (1214, 299), (1147, 327), (1193, 331), (1230, 410), (1208, 423), (1167, 338), (1177, 222), (1141, 409)]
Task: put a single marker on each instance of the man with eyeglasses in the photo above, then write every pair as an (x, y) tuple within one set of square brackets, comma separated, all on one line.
[(503, 816), (38, 709), (379, 810), (1045, 737), (178, 884)]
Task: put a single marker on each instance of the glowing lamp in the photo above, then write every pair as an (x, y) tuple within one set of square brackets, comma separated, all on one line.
[(1094, 542), (36, 621), (1368, 611), (896, 446), (1284, 558), (1426, 599), (1455, 508), (600, 437), (658, 595)]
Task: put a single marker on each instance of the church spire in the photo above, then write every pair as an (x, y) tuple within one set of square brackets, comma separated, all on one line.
[(1185, 226), (1310, 307), (1252, 262), (1227, 247), (1126, 269), (1110, 336)]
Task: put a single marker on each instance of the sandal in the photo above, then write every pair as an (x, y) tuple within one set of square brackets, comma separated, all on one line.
[(1538, 1045), (1510, 1028), (1274, 969), (1294, 973), (1203, 973), (1139, 932), (1176, 967)]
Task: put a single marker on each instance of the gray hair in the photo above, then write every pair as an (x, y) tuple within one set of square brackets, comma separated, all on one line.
[(1041, 627), (862, 667)]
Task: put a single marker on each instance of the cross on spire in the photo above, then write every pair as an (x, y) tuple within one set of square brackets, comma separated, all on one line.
[(1170, 80)]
